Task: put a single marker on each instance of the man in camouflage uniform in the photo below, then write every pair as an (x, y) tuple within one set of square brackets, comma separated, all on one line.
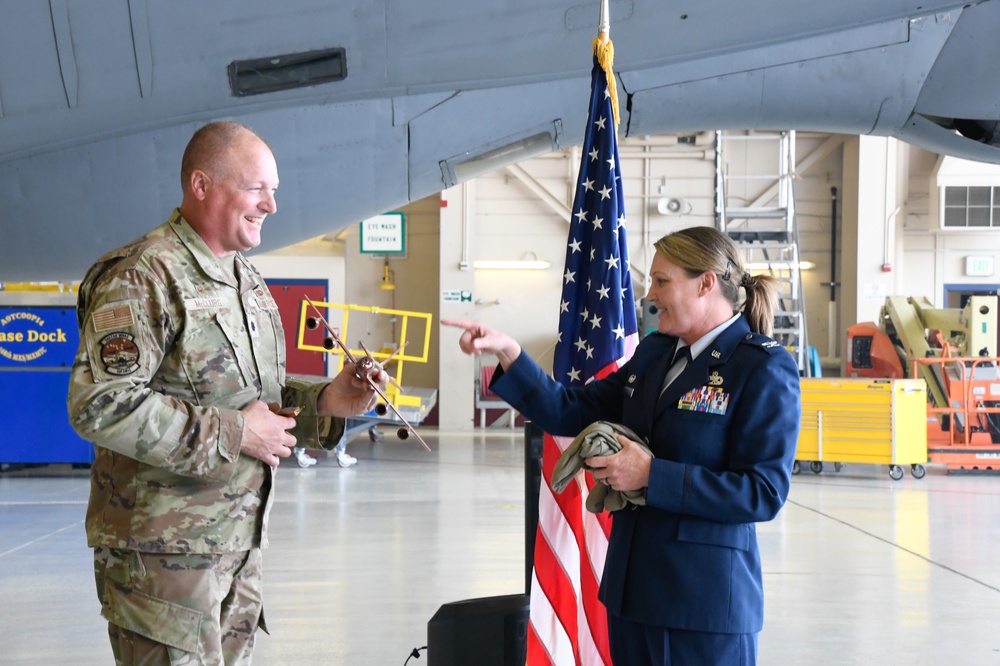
[(181, 352)]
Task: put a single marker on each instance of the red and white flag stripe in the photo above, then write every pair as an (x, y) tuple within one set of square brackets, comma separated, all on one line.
[(568, 624)]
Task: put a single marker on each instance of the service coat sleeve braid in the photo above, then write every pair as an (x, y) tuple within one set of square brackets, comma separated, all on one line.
[(760, 450), (132, 413)]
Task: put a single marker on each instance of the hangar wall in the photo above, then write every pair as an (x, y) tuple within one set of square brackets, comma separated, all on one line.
[(522, 212)]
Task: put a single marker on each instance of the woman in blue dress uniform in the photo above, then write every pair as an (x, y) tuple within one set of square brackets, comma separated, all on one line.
[(682, 578)]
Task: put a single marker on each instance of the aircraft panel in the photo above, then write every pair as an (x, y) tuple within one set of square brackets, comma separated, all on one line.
[(962, 83), (867, 37), (547, 38), (480, 120), (29, 66), (125, 185), (827, 92), (405, 109), (191, 44), (808, 93), (474, 44), (698, 105), (212, 35), (98, 97), (113, 184), (96, 51)]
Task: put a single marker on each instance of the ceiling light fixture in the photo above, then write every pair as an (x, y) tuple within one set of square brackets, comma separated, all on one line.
[(529, 262), (780, 265), (513, 264)]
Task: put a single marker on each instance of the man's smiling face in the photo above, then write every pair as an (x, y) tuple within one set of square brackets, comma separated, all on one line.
[(239, 197)]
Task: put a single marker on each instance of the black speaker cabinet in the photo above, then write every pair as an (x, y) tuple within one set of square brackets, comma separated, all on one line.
[(491, 631)]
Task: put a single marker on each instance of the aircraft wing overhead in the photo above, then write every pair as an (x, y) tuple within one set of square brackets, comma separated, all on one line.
[(98, 97)]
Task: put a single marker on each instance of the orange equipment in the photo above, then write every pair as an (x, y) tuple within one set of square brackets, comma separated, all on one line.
[(954, 351), (870, 353)]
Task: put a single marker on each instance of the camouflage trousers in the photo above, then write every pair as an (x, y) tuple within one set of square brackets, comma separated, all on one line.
[(178, 609)]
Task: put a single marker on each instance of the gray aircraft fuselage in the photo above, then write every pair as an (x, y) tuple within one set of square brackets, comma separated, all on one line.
[(371, 104)]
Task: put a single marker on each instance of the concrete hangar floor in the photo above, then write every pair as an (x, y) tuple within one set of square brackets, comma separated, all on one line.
[(858, 569)]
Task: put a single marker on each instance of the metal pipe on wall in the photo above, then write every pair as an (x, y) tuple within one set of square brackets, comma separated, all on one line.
[(833, 244), (832, 348)]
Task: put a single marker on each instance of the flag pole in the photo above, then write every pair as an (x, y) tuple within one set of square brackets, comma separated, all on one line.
[(567, 623), (604, 24), (604, 49)]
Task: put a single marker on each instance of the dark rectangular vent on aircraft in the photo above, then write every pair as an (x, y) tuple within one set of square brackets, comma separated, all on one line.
[(285, 72)]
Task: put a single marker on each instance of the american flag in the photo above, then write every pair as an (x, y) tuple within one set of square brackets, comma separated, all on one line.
[(597, 334)]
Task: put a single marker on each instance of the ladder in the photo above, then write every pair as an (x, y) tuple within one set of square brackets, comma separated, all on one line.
[(755, 206)]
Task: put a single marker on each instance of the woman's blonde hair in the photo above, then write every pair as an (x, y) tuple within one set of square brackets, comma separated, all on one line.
[(701, 249)]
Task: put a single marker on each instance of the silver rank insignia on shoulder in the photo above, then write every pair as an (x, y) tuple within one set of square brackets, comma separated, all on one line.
[(770, 343), (714, 379)]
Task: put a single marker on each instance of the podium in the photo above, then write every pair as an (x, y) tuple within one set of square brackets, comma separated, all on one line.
[(491, 631)]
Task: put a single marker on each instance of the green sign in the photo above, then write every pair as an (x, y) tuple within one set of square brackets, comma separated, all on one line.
[(384, 234)]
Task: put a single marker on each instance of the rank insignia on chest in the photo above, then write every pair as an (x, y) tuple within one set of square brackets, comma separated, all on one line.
[(263, 300), (708, 399), (715, 379)]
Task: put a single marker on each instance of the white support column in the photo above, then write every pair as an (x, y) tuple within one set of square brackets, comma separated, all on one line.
[(871, 209), (456, 384)]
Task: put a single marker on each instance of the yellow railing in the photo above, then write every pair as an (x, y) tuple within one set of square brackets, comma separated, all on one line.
[(406, 329)]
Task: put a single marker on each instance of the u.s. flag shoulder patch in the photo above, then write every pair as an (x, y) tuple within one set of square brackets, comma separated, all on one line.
[(118, 316)]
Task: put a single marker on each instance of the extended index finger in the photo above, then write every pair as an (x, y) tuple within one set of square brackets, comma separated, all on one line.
[(459, 323)]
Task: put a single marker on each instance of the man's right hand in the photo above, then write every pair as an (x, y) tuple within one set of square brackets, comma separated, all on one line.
[(264, 434)]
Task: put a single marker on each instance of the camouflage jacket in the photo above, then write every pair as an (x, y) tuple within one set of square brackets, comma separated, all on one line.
[(172, 344)]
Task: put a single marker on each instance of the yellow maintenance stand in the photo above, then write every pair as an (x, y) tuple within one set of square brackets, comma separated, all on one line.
[(414, 344), (872, 421)]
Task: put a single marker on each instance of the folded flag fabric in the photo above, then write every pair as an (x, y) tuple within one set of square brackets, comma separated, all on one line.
[(598, 439)]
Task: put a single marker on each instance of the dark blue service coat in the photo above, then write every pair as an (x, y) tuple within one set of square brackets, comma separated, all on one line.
[(723, 434)]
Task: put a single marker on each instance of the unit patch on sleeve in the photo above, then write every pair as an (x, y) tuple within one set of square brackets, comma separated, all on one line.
[(119, 353)]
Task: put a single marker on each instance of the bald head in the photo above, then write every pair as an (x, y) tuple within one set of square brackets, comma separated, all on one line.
[(229, 177), (211, 147)]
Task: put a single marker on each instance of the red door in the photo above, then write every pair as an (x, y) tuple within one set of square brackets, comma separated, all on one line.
[(289, 295)]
